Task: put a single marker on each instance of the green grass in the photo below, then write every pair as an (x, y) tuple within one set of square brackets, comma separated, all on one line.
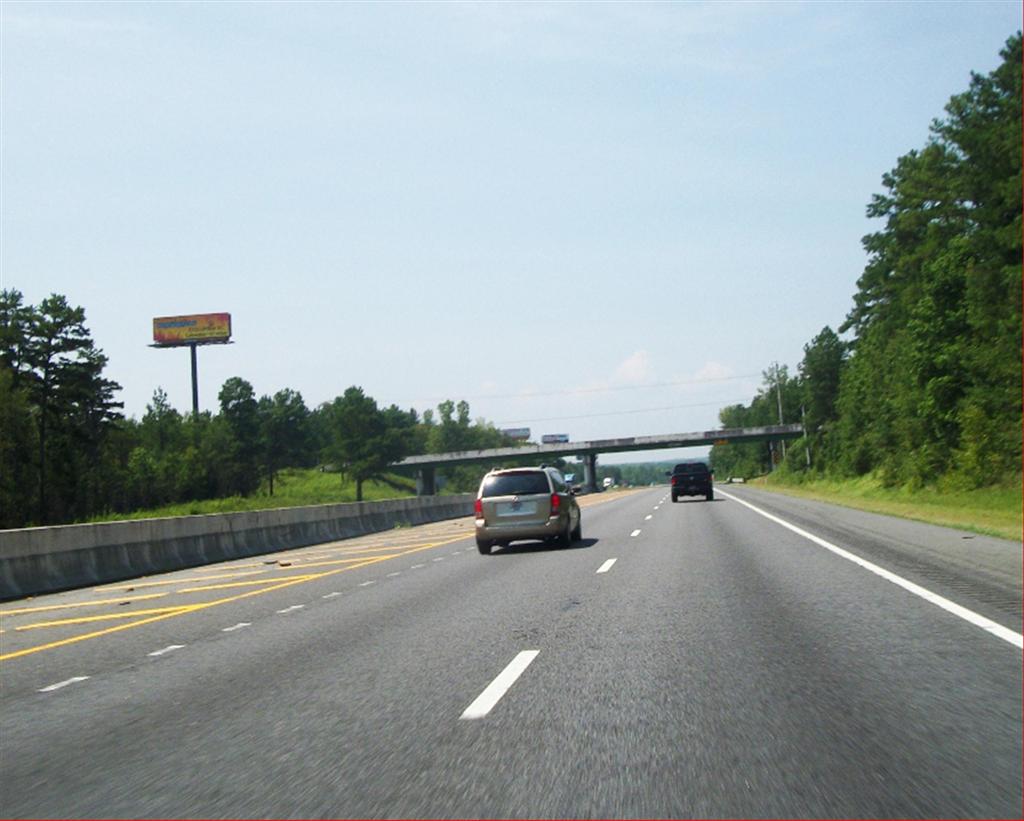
[(993, 511), (295, 487)]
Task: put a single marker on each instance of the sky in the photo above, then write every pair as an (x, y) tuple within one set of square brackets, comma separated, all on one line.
[(599, 219)]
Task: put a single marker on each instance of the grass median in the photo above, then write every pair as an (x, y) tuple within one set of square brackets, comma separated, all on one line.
[(993, 511)]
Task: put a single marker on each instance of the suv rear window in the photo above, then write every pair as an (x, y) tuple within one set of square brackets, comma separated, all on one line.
[(515, 484), (691, 467)]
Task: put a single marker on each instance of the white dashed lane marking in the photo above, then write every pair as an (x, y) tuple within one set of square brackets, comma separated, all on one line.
[(367, 584), (648, 517), (485, 702), (292, 608), (60, 684), (235, 627), (169, 649), (331, 595), (606, 566), (635, 533)]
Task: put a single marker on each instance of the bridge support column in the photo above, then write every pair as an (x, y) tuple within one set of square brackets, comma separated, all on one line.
[(425, 483), (590, 472)]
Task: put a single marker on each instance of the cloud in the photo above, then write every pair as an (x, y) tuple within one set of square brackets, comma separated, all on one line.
[(713, 370), (634, 370)]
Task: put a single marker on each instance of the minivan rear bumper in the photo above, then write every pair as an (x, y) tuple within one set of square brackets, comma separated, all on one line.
[(518, 530)]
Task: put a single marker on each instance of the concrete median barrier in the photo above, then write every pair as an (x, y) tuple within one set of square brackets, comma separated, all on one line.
[(46, 559)]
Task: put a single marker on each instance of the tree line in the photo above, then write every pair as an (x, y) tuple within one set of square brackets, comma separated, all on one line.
[(68, 453), (926, 383)]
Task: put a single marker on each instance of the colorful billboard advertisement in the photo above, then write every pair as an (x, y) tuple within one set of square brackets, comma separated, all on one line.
[(191, 329), (554, 438)]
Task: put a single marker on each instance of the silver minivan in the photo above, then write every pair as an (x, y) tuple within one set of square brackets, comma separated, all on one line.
[(526, 503)]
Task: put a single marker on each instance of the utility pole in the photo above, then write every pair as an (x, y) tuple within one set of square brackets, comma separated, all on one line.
[(807, 444), (778, 396)]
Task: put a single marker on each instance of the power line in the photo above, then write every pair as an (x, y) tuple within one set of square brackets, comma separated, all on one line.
[(605, 389), (722, 402)]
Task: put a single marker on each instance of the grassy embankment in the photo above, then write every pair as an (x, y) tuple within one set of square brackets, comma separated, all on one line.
[(294, 487), (993, 511)]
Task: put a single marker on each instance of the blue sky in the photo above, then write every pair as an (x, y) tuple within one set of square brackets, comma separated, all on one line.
[(597, 219)]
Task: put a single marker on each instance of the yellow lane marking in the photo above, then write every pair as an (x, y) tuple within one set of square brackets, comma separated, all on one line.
[(304, 565), (165, 582), (388, 545), (205, 605), (104, 617), (227, 585), (41, 609)]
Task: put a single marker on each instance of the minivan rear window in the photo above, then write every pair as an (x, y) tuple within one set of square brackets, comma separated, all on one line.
[(515, 484)]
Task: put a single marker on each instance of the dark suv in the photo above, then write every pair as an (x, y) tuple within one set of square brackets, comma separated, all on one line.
[(692, 479)]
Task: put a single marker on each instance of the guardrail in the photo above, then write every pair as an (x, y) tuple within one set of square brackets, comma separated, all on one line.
[(46, 559)]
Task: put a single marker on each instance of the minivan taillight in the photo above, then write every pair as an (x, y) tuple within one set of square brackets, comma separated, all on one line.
[(556, 502), (478, 508)]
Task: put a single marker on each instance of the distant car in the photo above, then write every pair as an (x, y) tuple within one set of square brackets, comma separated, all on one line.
[(526, 503), (692, 479)]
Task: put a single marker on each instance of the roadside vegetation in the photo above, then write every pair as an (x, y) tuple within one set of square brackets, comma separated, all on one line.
[(914, 406), (295, 487), (994, 510)]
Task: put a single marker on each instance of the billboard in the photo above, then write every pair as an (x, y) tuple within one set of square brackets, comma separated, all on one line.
[(554, 438), (516, 433), (193, 329)]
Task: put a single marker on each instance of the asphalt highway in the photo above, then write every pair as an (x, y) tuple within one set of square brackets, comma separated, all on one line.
[(754, 656)]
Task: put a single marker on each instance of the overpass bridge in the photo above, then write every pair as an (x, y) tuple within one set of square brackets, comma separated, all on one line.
[(427, 464)]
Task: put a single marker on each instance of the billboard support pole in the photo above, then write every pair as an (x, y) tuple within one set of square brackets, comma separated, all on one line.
[(195, 383)]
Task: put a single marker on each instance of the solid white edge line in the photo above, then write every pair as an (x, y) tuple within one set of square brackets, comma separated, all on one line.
[(167, 649), (635, 533), (606, 566), (1004, 633), (60, 684), (485, 702)]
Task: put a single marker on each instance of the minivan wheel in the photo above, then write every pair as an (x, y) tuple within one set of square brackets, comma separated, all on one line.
[(675, 498), (565, 537), (711, 496), (484, 546)]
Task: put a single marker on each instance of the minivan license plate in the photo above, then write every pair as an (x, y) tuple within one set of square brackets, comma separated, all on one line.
[(516, 508)]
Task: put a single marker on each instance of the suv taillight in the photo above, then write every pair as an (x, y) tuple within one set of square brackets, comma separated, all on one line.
[(478, 508), (675, 479), (556, 502)]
